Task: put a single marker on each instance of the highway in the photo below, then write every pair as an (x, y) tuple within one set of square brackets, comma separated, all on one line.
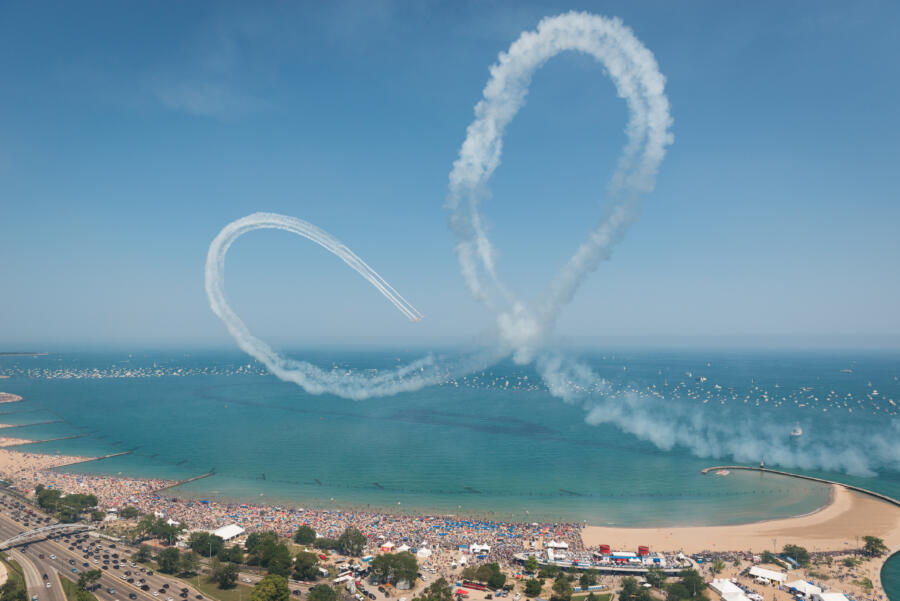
[(57, 557), (34, 581)]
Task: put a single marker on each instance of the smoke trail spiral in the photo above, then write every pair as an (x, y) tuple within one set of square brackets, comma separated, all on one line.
[(420, 373), (637, 79)]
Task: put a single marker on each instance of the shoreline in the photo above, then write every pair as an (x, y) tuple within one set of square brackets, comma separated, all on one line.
[(833, 527)]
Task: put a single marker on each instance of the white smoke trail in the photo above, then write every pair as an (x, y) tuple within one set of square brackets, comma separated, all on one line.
[(416, 375), (637, 79), (669, 423)]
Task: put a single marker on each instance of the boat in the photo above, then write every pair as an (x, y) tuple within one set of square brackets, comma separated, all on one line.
[(722, 473), (797, 432)]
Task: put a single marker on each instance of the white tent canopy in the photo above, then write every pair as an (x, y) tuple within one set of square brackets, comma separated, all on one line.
[(423, 552), (476, 548), (804, 588), (557, 545), (831, 596), (758, 572), (728, 590), (228, 532), (403, 548)]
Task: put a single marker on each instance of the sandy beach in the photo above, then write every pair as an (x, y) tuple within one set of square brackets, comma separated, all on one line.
[(835, 527), (8, 397)]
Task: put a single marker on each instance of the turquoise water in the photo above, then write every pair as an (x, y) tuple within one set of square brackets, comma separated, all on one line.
[(890, 577), (480, 446)]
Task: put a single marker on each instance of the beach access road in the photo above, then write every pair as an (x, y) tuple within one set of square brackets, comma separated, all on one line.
[(34, 581)]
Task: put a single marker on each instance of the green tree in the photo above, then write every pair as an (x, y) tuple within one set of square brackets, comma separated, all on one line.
[(189, 563), (533, 587), (88, 578), (144, 553), (656, 577), (278, 560), (548, 572), (233, 554), (797, 553), (13, 590), (588, 578), (224, 574), (168, 560), (562, 589), (98, 516), (717, 566), (874, 546), (396, 567), (439, 590), (257, 540), (304, 535), (306, 566), (531, 564), (271, 588), (128, 512), (206, 544), (677, 592), (352, 542), (690, 583), (633, 591), (326, 544), (322, 592)]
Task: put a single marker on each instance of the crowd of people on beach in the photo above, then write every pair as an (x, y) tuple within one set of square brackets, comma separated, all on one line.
[(440, 534)]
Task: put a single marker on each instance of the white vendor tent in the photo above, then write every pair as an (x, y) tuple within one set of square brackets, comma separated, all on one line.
[(804, 588), (423, 553), (832, 596), (228, 532), (403, 548), (728, 590), (771, 575), (476, 548)]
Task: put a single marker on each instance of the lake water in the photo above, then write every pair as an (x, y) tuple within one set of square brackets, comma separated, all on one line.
[(494, 443)]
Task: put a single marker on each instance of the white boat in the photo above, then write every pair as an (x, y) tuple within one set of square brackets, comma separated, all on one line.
[(797, 432)]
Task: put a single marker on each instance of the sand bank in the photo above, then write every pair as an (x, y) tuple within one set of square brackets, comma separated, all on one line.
[(836, 526), (8, 397)]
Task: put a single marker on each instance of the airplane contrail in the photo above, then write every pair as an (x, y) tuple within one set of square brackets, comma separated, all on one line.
[(345, 383), (637, 79)]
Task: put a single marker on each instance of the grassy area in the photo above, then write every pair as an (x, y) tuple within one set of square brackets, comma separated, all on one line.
[(14, 570), (241, 592), (71, 589)]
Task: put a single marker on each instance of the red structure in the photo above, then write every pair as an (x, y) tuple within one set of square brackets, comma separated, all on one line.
[(604, 549), (643, 550)]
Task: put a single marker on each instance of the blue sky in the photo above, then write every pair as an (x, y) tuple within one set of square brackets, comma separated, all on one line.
[(131, 133)]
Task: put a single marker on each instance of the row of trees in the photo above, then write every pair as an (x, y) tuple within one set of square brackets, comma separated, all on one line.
[(351, 542), (67, 508), (488, 573), (160, 528)]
